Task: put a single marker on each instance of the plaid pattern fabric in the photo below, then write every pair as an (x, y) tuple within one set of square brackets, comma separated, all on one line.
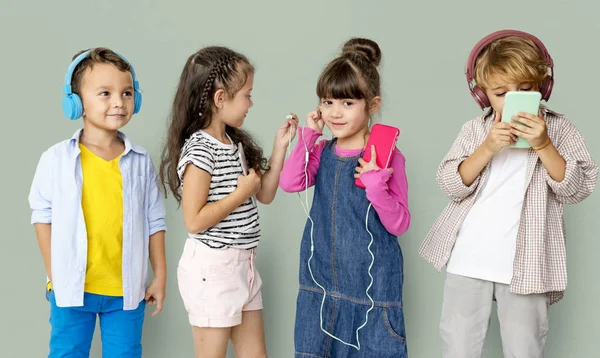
[(540, 264)]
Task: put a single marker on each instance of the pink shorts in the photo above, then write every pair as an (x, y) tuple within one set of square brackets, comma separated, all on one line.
[(217, 285)]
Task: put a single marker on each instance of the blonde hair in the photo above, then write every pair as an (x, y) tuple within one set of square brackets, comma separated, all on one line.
[(515, 58)]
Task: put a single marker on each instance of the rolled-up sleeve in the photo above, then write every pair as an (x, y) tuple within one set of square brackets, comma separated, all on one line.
[(448, 177), (156, 202), (581, 171)]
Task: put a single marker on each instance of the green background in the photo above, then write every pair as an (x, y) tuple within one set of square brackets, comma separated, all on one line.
[(425, 45)]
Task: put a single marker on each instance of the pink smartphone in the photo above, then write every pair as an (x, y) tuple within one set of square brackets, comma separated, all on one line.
[(384, 139)]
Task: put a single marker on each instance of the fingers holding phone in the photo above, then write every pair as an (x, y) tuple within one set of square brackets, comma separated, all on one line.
[(378, 152)]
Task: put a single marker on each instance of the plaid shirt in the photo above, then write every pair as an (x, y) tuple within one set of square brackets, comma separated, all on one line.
[(540, 263)]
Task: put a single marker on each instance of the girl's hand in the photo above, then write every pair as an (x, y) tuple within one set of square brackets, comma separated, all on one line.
[(531, 127), (249, 184), (500, 135), (282, 136), (314, 121), (371, 165)]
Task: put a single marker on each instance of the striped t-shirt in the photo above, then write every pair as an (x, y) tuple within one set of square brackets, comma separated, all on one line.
[(240, 229)]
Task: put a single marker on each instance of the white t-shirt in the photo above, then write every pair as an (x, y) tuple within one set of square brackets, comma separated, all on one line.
[(486, 242), (240, 229)]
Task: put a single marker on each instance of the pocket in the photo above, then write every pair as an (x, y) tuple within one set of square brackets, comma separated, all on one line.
[(393, 319), (218, 271), (214, 264)]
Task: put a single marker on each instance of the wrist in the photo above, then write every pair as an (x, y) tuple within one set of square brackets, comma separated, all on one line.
[(240, 195), (278, 151), (160, 276), (543, 146), (486, 150)]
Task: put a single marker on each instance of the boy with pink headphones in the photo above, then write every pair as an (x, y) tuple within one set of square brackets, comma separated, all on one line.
[(502, 236)]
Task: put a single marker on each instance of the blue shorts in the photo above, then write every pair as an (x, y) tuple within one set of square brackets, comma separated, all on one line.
[(73, 327)]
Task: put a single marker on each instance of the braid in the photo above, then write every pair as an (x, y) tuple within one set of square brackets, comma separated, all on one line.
[(208, 85), (207, 71), (215, 72)]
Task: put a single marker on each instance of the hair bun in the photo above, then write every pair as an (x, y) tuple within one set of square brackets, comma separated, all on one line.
[(363, 47)]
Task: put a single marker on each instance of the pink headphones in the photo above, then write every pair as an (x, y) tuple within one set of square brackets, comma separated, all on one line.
[(477, 93)]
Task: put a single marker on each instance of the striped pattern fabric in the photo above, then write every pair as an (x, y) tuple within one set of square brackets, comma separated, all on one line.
[(540, 264), (241, 229)]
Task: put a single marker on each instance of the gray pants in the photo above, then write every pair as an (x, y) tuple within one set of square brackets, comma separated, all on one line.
[(466, 314)]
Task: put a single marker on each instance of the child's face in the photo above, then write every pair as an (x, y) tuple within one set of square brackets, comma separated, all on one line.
[(499, 85), (107, 96), (235, 109), (344, 117)]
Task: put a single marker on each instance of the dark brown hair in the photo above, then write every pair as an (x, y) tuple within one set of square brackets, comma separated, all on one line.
[(205, 72), (96, 55), (352, 75)]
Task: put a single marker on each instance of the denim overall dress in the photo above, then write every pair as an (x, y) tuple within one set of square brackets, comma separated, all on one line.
[(340, 263)]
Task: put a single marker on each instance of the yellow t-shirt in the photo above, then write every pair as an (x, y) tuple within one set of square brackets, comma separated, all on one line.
[(102, 204)]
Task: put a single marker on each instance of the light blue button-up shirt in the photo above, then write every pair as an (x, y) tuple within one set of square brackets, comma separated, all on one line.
[(55, 198)]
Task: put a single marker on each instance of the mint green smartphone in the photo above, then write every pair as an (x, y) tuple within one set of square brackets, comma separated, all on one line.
[(520, 101)]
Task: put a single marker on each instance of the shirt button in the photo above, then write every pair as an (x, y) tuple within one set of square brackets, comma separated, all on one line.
[(80, 269)]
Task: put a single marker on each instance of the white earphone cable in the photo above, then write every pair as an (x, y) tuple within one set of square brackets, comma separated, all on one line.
[(306, 211)]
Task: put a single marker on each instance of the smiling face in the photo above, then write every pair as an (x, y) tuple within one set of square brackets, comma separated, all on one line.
[(349, 92), (348, 119), (107, 96)]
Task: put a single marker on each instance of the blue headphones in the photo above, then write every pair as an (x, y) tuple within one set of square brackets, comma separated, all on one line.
[(72, 105)]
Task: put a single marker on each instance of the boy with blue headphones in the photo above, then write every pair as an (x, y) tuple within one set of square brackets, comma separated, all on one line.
[(99, 215)]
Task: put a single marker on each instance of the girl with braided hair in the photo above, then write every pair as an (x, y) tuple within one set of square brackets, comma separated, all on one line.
[(201, 164)]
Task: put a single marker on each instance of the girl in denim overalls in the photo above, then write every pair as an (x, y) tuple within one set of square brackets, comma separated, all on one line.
[(335, 258)]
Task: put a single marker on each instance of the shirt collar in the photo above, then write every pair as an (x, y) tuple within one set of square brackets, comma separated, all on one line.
[(74, 142)]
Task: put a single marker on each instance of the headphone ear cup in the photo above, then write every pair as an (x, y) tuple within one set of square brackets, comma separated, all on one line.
[(480, 97), (137, 102), (547, 88), (72, 106)]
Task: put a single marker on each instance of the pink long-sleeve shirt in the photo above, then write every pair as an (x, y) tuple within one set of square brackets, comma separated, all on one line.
[(386, 191)]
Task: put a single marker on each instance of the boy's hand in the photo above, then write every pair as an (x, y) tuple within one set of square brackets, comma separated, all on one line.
[(155, 295), (282, 136), (531, 127), (500, 135), (371, 165)]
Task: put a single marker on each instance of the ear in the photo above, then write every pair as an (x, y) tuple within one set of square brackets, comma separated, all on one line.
[(374, 105), (219, 98)]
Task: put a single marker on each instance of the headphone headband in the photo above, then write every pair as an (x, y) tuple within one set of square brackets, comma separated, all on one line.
[(72, 106), (477, 93)]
